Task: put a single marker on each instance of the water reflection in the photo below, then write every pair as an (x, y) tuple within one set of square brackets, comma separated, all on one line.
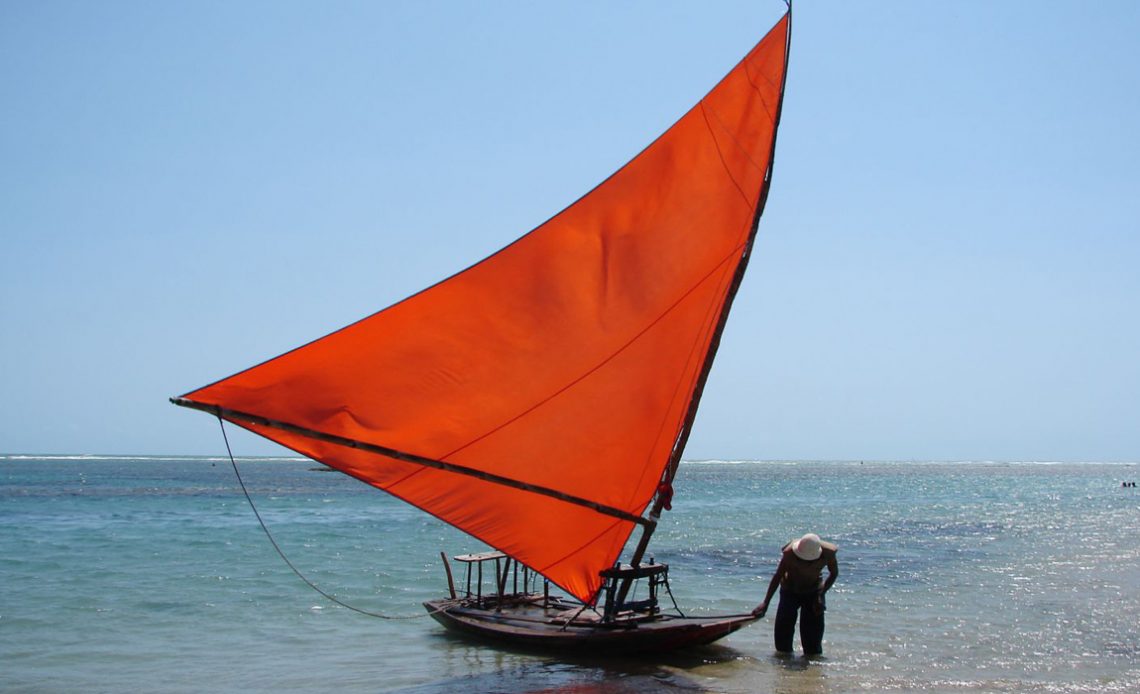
[(469, 666), (799, 674)]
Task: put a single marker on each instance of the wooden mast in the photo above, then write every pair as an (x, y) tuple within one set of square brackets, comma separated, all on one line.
[(687, 427)]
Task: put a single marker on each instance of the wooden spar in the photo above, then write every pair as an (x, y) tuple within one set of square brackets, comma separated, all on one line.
[(695, 401), (450, 580), (236, 415)]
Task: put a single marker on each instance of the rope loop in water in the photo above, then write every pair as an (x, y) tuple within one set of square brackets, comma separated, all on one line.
[(281, 553)]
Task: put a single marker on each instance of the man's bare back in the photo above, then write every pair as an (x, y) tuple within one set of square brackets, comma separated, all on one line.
[(803, 576)]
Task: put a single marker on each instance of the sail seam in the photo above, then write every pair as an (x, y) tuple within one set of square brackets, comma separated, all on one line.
[(601, 364), (577, 549), (700, 339)]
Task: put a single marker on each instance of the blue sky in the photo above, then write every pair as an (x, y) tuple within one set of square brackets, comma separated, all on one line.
[(947, 268)]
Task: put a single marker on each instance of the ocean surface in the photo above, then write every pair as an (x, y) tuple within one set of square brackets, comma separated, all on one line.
[(152, 574)]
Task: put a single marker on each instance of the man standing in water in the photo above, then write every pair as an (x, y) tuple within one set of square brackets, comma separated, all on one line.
[(801, 591)]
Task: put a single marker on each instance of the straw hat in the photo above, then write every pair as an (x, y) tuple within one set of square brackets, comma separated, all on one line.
[(808, 547)]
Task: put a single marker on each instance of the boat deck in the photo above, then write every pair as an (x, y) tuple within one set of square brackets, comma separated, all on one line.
[(524, 620)]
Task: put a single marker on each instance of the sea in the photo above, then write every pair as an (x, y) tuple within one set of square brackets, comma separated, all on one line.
[(153, 574)]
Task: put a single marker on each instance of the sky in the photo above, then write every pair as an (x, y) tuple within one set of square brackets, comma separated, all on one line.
[(946, 268)]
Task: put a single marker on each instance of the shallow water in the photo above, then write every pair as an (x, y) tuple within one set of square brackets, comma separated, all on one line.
[(152, 574)]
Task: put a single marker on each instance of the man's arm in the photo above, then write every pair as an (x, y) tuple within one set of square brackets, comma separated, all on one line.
[(763, 607), (832, 572)]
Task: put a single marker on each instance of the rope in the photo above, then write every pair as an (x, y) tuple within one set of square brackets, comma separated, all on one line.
[(334, 599), (669, 590), (281, 554)]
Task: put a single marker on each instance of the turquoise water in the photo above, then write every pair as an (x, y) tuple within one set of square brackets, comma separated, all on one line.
[(152, 574)]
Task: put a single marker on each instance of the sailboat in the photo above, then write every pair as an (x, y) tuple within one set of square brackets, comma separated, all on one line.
[(541, 399)]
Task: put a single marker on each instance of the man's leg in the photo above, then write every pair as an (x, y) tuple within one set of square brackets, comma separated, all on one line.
[(811, 626), (786, 621)]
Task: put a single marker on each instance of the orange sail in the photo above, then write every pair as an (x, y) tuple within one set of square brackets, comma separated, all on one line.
[(537, 399)]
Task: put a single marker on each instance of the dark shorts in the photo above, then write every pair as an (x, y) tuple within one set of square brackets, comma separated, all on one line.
[(809, 607)]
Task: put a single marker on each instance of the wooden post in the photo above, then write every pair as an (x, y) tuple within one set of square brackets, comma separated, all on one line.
[(447, 568)]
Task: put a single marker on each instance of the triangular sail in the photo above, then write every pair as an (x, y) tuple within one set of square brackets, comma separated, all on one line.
[(535, 399)]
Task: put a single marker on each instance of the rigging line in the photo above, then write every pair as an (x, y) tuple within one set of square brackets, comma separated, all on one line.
[(576, 615), (720, 155), (735, 139), (281, 554), (669, 590), (756, 87)]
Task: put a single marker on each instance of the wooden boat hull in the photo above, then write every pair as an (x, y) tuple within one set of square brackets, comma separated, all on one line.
[(533, 627)]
